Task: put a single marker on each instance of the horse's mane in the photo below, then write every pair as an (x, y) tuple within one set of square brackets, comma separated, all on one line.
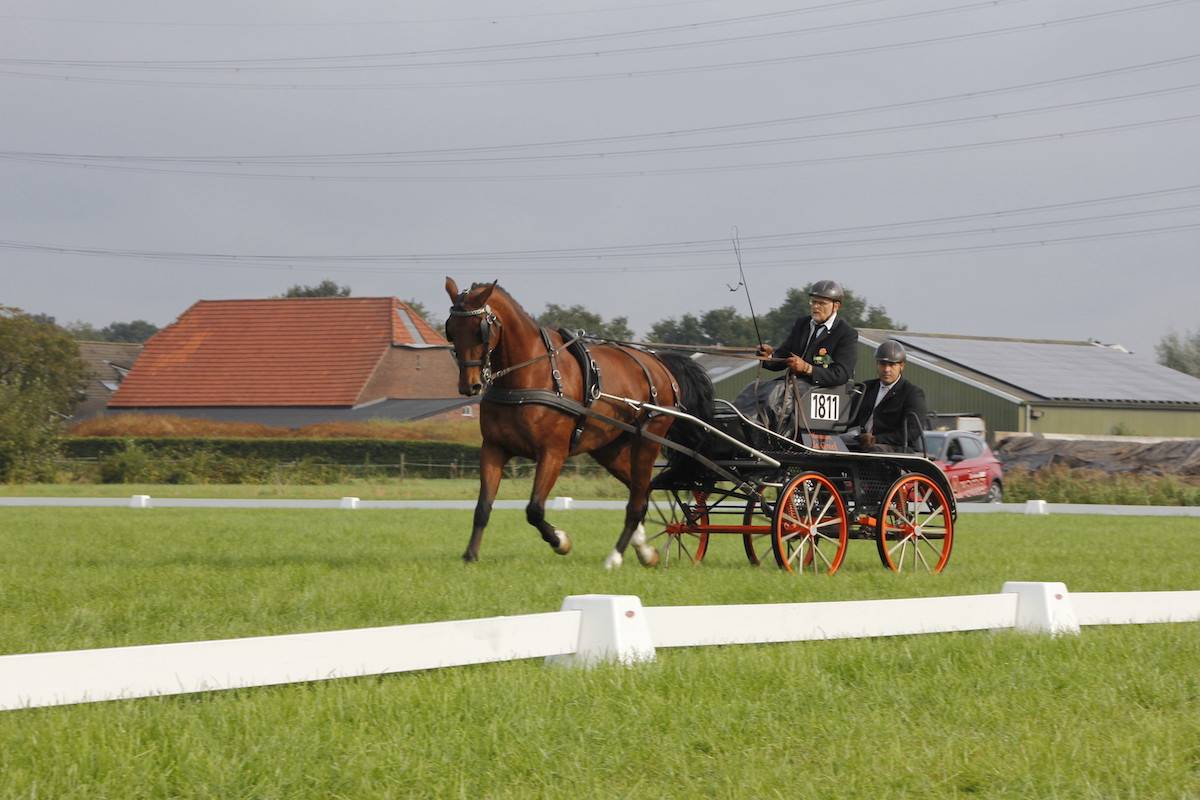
[(504, 293)]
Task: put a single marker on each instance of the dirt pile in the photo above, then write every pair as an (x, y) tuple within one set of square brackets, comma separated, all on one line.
[(1160, 458)]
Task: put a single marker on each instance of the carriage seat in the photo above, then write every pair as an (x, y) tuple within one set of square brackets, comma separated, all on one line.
[(828, 410)]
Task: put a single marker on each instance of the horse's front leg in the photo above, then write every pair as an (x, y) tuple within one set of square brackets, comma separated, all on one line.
[(549, 465), (491, 468), (641, 470)]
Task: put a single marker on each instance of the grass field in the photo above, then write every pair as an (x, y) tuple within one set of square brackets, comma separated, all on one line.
[(1112, 713), (591, 487)]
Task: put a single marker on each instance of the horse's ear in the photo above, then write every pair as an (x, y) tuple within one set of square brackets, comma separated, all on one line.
[(451, 288), (485, 294)]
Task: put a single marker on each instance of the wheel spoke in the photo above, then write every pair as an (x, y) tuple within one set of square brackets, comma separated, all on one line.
[(684, 550), (939, 511), (934, 550), (920, 555), (798, 550), (828, 563)]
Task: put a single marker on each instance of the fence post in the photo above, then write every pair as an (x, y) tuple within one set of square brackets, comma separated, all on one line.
[(611, 628), (1043, 607)]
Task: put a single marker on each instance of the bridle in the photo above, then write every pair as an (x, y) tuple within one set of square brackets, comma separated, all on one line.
[(487, 321)]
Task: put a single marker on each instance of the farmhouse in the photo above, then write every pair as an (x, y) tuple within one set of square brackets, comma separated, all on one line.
[(1024, 385), (294, 362), (107, 365)]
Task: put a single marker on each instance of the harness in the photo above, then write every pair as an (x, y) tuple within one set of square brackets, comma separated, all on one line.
[(556, 398), (573, 343)]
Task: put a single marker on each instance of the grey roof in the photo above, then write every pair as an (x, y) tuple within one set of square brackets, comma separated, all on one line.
[(1061, 370), (720, 367)]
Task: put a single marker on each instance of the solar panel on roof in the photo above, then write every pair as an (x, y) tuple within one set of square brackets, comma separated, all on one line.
[(1063, 371)]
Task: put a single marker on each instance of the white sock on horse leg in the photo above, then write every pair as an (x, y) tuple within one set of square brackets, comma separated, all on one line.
[(613, 561)]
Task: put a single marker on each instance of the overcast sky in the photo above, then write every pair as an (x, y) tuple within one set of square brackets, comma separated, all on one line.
[(1010, 168)]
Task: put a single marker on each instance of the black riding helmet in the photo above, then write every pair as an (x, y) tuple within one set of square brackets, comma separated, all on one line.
[(830, 290), (891, 352)]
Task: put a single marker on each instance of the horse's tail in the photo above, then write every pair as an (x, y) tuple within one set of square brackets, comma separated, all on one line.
[(695, 398)]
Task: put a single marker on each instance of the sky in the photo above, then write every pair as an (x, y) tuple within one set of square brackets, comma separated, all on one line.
[(1022, 168)]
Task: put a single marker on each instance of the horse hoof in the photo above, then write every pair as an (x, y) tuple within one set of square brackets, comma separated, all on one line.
[(469, 558), (648, 556), (613, 561), (564, 543)]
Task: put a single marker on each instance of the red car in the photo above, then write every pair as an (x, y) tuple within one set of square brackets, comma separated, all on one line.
[(974, 472)]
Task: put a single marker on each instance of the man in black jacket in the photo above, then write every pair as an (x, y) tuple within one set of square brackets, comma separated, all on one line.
[(820, 350), (893, 408)]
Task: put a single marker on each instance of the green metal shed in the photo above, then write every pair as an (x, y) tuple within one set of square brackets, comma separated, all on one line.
[(1022, 385)]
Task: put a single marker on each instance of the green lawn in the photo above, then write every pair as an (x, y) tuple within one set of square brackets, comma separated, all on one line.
[(1112, 713), (593, 487)]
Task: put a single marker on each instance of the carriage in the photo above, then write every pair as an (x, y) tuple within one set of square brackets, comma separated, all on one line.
[(800, 499)]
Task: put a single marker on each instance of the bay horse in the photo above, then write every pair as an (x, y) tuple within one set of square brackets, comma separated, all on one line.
[(539, 404)]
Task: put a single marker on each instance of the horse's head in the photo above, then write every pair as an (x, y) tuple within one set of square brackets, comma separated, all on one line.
[(473, 330)]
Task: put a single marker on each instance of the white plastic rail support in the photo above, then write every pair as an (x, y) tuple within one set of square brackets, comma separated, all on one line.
[(350, 503), (139, 501), (612, 628), (561, 503), (1036, 507), (1043, 607)]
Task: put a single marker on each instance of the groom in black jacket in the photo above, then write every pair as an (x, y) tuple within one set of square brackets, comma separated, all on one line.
[(892, 413)]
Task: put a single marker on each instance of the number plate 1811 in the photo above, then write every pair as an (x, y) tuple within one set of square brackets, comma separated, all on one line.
[(825, 407)]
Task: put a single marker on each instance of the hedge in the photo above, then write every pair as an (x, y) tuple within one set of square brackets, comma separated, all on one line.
[(325, 451)]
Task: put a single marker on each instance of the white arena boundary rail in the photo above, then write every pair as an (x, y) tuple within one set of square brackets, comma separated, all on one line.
[(587, 630), (1031, 507)]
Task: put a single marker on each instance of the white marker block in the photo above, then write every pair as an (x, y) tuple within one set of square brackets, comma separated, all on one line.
[(1043, 607), (349, 502), (612, 628), (1036, 507), (139, 501), (560, 503)]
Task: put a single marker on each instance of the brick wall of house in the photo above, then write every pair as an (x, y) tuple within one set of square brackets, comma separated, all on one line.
[(409, 373)]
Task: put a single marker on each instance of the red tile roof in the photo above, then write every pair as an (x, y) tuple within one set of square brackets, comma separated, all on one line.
[(278, 352)]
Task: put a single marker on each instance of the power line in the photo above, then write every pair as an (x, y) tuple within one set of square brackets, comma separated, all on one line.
[(687, 249), (648, 172), (303, 61), (332, 24), (676, 132), (370, 160), (248, 263), (624, 74)]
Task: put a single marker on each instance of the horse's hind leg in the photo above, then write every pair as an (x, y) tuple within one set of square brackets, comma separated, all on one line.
[(631, 462), (491, 468), (549, 464)]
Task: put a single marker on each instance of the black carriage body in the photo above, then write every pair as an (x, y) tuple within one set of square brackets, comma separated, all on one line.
[(742, 471)]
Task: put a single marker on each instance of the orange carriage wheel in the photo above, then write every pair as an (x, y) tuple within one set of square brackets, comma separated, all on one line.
[(809, 529), (758, 513), (677, 530), (914, 531)]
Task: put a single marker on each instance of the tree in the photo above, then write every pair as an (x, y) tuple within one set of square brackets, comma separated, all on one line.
[(720, 326), (1180, 352), (41, 381), (325, 288), (579, 318), (856, 310), (139, 330), (725, 326)]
